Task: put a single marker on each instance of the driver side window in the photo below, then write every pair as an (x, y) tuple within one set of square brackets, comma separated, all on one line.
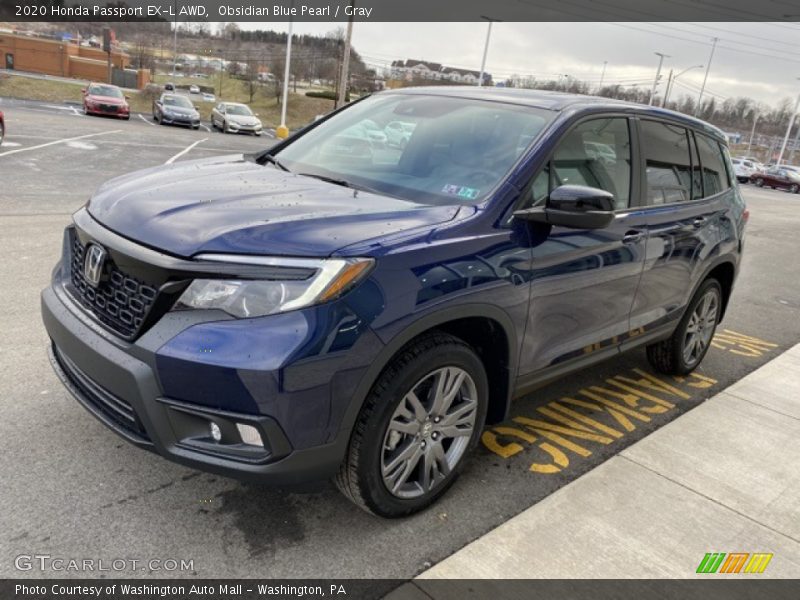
[(597, 154)]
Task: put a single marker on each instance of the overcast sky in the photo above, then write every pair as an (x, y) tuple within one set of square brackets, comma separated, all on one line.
[(760, 60)]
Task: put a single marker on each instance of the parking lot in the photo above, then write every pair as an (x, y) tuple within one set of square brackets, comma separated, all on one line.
[(74, 489)]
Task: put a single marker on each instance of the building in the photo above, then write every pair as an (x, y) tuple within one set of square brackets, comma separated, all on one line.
[(411, 69), (66, 59)]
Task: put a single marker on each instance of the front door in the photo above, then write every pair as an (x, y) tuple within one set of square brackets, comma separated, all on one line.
[(583, 281), (9, 61)]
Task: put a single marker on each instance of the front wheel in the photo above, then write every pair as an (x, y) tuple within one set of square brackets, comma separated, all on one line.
[(420, 421), (685, 350), (760, 182), (794, 188)]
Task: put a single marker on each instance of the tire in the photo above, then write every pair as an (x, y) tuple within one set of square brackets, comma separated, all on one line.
[(2, 133), (759, 182), (225, 127), (672, 356), (794, 188), (419, 367)]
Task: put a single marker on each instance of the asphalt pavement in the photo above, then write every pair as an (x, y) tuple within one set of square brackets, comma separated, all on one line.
[(73, 489)]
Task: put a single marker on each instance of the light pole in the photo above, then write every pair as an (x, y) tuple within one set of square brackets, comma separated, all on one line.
[(708, 68), (661, 58), (671, 80), (789, 129), (175, 43), (282, 132), (344, 78), (485, 48)]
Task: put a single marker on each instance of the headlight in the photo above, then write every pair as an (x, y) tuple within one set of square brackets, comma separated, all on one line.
[(307, 282)]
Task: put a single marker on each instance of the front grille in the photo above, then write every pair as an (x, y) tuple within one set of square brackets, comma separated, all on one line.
[(112, 407), (109, 107), (121, 302)]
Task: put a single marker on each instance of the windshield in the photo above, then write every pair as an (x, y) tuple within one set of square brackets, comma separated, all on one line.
[(105, 90), (179, 101), (422, 148), (238, 109)]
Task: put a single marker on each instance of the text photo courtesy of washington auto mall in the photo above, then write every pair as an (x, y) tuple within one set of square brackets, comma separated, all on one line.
[(417, 300)]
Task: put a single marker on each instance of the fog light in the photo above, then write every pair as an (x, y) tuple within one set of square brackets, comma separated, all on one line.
[(250, 435), (216, 434)]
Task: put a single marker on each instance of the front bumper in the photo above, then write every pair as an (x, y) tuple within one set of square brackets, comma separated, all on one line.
[(117, 382), (186, 122)]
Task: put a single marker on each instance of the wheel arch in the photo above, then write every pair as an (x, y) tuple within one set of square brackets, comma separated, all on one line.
[(488, 329)]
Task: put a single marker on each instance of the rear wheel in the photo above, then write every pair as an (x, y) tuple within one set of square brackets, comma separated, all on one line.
[(685, 350), (421, 419), (759, 182), (794, 188), (2, 133)]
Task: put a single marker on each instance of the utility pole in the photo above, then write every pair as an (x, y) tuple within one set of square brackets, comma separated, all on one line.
[(603, 74), (221, 71), (708, 68), (485, 48), (344, 79), (789, 130), (658, 75), (672, 80), (794, 146), (752, 132), (666, 91)]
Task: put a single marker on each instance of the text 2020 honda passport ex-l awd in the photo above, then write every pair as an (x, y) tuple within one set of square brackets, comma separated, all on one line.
[(342, 307)]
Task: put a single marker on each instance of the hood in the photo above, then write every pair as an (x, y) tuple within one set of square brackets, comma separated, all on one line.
[(233, 205), (106, 99), (180, 110), (243, 119)]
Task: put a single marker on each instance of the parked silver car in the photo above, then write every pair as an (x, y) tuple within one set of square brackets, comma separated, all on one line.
[(232, 117), (744, 168)]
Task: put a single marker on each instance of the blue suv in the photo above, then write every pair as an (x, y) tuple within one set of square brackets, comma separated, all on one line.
[(340, 306)]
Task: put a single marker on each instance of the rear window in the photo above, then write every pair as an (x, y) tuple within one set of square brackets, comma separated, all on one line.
[(712, 160)]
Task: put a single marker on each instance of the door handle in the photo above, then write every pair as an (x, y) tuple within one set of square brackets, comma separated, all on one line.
[(631, 237), (699, 222)]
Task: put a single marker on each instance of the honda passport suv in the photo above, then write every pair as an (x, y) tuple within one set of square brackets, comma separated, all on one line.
[(333, 308)]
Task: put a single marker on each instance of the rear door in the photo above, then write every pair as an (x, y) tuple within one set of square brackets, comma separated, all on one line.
[(686, 191)]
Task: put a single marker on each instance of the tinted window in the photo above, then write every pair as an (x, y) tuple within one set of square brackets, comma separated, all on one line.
[(596, 153), (668, 163), (715, 175)]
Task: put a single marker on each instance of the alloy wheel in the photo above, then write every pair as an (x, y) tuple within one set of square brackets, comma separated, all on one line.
[(429, 432), (700, 328)]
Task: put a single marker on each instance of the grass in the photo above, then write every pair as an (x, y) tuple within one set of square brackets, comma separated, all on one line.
[(300, 111)]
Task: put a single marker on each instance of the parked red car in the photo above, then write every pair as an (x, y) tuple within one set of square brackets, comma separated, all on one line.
[(2, 127), (105, 99), (783, 177)]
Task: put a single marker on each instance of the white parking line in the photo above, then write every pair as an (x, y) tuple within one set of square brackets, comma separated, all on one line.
[(206, 128), (146, 120), (182, 152), (62, 141)]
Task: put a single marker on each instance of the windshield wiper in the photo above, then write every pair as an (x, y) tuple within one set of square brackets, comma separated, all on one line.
[(343, 183), (271, 158)]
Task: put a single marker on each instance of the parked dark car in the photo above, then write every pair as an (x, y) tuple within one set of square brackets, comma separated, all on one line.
[(305, 313), (782, 178), (2, 127), (105, 99), (175, 109)]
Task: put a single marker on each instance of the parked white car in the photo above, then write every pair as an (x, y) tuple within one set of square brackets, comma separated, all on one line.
[(232, 117), (743, 168), (398, 133), (193, 89)]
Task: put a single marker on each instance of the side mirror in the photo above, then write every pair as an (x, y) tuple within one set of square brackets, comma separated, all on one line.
[(574, 206), (127, 97), (83, 91)]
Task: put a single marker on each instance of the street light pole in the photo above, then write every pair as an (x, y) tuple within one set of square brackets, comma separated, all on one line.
[(666, 90), (789, 130), (708, 68), (344, 77), (282, 131), (658, 75), (175, 42), (485, 48)]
